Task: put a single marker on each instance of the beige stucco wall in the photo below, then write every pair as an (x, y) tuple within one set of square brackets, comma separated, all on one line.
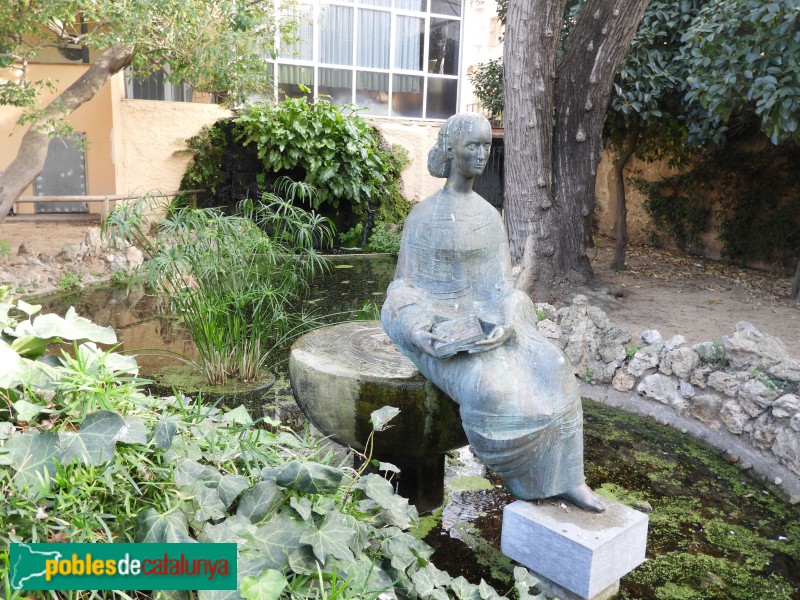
[(417, 137), (151, 133), (93, 119), (480, 43)]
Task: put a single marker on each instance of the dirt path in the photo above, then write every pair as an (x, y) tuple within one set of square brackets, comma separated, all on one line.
[(698, 298)]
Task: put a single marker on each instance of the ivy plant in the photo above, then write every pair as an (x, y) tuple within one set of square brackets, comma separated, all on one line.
[(355, 174), (151, 469)]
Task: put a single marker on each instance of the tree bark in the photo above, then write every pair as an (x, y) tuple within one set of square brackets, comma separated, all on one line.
[(618, 264), (794, 294), (33, 149), (549, 205), (529, 63)]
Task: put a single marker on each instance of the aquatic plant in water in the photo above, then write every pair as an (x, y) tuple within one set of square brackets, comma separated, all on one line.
[(235, 281)]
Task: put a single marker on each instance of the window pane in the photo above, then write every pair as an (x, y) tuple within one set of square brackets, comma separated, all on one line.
[(409, 43), (148, 87), (443, 58), (372, 91), (290, 78), (420, 5), (407, 96), (301, 47), (386, 3), (446, 7), (442, 97), (336, 83), (373, 38), (336, 35)]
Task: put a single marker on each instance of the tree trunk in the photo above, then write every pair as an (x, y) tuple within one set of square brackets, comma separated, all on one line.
[(529, 63), (618, 264), (551, 165), (33, 150), (794, 294)]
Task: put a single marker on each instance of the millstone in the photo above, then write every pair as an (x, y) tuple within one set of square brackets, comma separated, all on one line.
[(341, 373)]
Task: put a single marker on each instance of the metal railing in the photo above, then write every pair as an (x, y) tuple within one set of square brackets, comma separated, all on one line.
[(104, 201)]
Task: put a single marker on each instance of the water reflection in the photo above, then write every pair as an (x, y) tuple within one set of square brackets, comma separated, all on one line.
[(144, 329)]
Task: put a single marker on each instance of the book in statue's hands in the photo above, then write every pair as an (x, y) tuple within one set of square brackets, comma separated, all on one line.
[(460, 335)]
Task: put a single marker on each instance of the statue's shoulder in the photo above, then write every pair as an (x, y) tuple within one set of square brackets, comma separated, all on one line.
[(425, 207)]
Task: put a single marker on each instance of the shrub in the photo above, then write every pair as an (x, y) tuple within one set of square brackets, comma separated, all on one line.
[(355, 174), (233, 280)]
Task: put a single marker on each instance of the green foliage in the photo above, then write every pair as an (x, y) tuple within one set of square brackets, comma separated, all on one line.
[(355, 174), (487, 79), (695, 71), (217, 45), (757, 195), (234, 280), (678, 206), (69, 281), (5, 248), (174, 470), (385, 238)]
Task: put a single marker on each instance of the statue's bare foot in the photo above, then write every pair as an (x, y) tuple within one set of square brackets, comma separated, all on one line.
[(583, 497)]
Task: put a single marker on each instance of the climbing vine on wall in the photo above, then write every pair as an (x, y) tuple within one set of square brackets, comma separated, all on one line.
[(754, 194), (355, 173)]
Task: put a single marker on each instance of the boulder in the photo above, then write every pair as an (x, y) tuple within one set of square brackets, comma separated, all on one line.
[(651, 336), (749, 346), (734, 417), (786, 406), (787, 448), (763, 432), (681, 361), (706, 407), (623, 382), (549, 329), (723, 382), (659, 387), (72, 252), (755, 397), (644, 359)]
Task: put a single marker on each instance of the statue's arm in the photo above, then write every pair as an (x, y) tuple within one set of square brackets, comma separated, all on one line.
[(407, 318)]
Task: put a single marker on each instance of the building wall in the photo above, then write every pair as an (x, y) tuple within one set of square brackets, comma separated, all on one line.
[(481, 43), (151, 133), (417, 137), (93, 119)]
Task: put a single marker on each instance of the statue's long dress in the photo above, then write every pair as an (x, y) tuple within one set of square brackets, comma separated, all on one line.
[(519, 403)]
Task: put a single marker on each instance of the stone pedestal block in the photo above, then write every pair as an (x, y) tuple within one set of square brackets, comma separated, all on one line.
[(582, 552)]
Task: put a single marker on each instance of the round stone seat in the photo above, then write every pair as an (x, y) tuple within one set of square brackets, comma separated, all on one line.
[(341, 373)]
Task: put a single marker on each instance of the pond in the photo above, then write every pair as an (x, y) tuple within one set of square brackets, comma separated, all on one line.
[(715, 532)]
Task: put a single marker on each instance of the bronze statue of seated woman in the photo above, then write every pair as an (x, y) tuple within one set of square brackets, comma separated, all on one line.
[(453, 310)]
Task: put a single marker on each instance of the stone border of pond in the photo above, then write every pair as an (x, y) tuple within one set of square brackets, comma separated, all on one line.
[(738, 394)]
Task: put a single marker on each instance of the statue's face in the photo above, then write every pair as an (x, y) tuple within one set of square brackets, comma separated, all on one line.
[(471, 150)]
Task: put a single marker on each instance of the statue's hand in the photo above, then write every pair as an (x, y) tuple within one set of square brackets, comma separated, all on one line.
[(496, 338), (424, 340)]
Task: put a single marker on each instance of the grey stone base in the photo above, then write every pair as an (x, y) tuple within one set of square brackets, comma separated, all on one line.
[(580, 552)]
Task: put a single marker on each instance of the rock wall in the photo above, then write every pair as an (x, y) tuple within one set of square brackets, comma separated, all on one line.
[(739, 393), (28, 270)]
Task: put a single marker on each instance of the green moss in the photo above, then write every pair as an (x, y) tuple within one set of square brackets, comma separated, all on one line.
[(671, 576), (617, 493), (489, 559), (469, 484), (426, 524)]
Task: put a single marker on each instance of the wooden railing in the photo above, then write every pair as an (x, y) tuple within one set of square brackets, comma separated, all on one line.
[(105, 201)]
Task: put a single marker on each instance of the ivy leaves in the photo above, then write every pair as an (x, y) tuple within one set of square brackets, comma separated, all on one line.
[(338, 153)]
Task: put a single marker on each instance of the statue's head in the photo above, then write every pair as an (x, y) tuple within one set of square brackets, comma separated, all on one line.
[(440, 157)]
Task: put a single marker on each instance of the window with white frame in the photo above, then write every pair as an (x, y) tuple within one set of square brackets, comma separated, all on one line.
[(397, 58)]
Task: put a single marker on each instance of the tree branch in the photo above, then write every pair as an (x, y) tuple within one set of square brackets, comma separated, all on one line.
[(33, 149)]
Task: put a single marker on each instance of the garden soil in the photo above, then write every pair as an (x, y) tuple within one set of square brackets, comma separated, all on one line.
[(698, 298)]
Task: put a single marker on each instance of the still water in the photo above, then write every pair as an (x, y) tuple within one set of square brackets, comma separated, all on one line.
[(714, 533)]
